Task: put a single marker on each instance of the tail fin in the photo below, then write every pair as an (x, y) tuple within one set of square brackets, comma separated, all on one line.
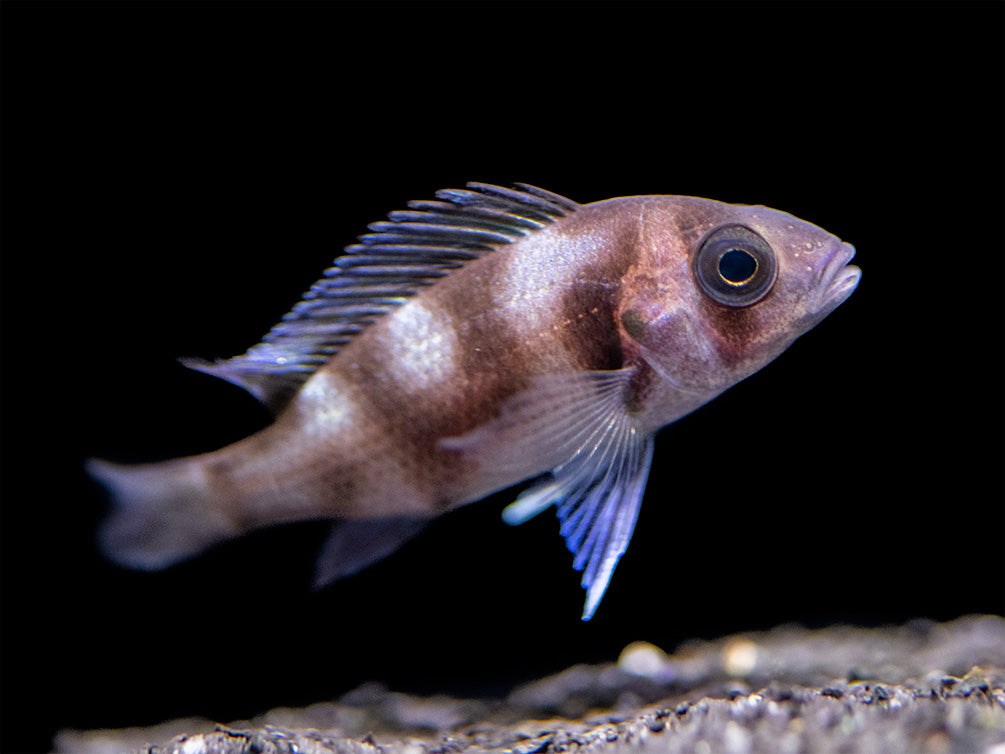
[(162, 513)]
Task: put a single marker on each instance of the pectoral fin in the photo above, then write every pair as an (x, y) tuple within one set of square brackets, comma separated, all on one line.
[(598, 494), (581, 424)]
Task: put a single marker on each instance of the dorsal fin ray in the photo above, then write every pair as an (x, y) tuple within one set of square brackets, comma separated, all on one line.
[(412, 249)]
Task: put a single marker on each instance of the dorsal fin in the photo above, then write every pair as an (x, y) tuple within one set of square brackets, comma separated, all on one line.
[(411, 249)]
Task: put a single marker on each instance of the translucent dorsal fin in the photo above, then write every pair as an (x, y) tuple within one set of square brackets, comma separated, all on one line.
[(411, 249)]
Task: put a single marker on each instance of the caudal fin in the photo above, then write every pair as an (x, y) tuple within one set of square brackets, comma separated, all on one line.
[(162, 513)]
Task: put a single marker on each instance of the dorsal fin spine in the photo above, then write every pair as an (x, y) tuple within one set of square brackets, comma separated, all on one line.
[(463, 197), (519, 197), (490, 214), (557, 199)]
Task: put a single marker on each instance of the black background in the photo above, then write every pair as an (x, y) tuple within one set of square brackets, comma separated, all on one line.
[(175, 175)]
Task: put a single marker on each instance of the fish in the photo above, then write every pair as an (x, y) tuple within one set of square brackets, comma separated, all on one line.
[(479, 340)]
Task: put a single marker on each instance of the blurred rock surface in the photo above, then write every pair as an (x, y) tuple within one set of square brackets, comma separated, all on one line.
[(921, 687)]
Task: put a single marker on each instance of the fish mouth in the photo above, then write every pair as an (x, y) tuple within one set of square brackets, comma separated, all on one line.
[(839, 279)]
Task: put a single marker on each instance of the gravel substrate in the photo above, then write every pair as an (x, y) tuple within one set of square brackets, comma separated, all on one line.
[(922, 687)]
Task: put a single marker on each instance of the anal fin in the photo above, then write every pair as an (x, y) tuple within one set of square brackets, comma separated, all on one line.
[(355, 545)]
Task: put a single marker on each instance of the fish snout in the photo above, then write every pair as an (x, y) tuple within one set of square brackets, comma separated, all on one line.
[(839, 278)]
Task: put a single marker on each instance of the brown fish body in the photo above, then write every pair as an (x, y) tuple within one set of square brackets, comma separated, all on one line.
[(563, 350)]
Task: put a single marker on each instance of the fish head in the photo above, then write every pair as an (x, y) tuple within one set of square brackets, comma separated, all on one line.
[(720, 290)]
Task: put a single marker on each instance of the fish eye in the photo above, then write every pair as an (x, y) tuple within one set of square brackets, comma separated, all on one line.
[(735, 266)]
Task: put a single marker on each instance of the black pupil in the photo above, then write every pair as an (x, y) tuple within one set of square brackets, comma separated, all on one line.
[(737, 266)]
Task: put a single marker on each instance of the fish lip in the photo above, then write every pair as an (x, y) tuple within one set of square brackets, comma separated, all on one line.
[(839, 279)]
